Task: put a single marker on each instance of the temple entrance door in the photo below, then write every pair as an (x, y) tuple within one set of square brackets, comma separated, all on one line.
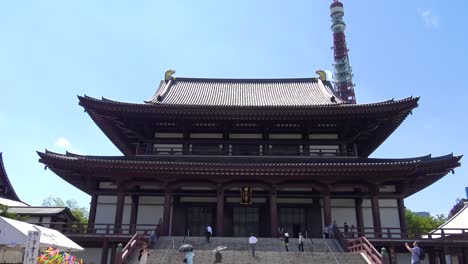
[(198, 218), (246, 221), (296, 230), (293, 220)]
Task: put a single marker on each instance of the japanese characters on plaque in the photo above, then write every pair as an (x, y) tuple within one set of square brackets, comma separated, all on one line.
[(32, 247), (246, 195)]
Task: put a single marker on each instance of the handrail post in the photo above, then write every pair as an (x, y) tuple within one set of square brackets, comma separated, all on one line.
[(118, 254)]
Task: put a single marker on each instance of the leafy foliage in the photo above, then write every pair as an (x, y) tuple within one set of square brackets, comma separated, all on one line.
[(81, 213), (4, 212), (457, 207), (418, 225)]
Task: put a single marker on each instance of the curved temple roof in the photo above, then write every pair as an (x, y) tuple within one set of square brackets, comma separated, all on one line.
[(417, 172), (245, 92), (303, 100), (6, 189)]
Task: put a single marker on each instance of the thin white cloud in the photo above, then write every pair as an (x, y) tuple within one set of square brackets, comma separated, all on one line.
[(429, 19), (63, 143), (329, 75)]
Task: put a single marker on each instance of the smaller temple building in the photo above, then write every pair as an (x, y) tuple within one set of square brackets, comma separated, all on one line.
[(48, 216)]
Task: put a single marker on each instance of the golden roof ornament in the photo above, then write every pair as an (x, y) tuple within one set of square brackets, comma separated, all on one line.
[(168, 75)]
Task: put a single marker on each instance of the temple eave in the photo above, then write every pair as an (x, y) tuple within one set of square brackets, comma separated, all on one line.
[(86, 172)]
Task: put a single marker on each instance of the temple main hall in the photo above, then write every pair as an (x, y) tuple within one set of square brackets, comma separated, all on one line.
[(259, 156)]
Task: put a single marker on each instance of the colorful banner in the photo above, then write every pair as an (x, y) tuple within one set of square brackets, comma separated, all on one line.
[(55, 256)]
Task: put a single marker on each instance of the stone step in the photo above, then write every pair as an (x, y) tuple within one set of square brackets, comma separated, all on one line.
[(240, 243), (268, 251), (244, 257)]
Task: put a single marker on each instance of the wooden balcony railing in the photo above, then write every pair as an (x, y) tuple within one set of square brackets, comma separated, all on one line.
[(370, 233), (363, 245), (396, 233), (98, 228), (257, 149)]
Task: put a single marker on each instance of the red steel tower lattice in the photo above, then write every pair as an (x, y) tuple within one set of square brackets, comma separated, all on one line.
[(344, 85)]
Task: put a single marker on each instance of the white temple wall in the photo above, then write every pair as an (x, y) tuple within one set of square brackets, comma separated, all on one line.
[(150, 211), (105, 212), (343, 210), (367, 216), (127, 211), (389, 217), (33, 219), (46, 219)]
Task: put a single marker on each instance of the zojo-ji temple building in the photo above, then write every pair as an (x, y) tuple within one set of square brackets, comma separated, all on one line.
[(246, 156)]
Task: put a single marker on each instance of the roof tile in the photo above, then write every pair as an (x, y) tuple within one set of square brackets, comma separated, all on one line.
[(245, 92)]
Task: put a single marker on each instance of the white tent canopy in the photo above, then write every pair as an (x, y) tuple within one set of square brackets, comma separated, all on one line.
[(13, 232), (454, 225)]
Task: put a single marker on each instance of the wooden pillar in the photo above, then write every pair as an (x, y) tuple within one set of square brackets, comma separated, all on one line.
[(167, 213), (219, 212), (327, 209), (392, 255), (113, 252), (92, 213), (274, 213), (105, 251), (465, 255), (446, 255), (359, 217), (441, 256), (402, 215), (432, 255), (376, 216), (119, 212), (134, 213)]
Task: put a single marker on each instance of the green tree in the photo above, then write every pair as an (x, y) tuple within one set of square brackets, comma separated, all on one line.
[(4, 212), (80, 213), (418, 225)]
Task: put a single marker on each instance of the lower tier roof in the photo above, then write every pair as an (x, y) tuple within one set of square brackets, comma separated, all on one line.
[(410, 175)]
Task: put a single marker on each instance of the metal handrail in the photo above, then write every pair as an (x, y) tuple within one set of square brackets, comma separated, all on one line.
[(327, 247), (128, 249), (167, 250), (123, 254)]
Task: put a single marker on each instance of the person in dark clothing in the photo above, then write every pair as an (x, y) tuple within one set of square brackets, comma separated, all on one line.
[(286, 241), (351, 232), (346, 230), (326, 232)]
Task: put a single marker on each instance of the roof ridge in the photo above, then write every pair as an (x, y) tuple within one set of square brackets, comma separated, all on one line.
[(245, 79)]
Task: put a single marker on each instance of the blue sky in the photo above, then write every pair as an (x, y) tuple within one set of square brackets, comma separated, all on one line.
[(52, 51)]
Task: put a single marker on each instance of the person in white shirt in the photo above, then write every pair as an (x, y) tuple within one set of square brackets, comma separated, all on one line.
[(252, 242), (301, 242), (209, 233)]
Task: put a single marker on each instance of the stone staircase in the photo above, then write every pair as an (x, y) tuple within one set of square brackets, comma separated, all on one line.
[(268, 251)]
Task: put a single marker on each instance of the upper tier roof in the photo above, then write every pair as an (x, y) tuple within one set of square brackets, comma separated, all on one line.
[(245, 92), (308, 101)]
